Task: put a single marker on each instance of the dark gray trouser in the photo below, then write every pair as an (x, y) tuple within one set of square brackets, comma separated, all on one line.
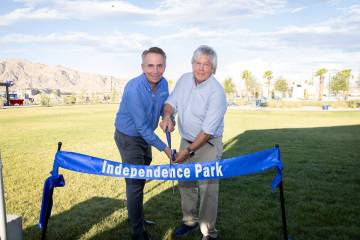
[(134, 150)]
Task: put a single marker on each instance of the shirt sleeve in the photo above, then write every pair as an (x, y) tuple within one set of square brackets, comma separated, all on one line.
[(138, 112), (215, 113), (173, 98)]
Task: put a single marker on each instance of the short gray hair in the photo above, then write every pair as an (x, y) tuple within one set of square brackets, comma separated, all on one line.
[(206, 50)]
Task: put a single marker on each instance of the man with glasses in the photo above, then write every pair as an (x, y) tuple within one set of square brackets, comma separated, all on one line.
[(199, 100)]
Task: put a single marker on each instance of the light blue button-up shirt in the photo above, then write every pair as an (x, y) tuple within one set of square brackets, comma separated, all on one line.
[(140, 110), (200, 107)]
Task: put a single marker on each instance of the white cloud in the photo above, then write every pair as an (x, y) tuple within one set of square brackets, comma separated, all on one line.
[(345, 22), (235, 39), (341, 32), (355, 9), (78, 9), (209, 7), (168, 11), (295, 10), (308, 29), (23, 14), (292, 51), (91, 9), (31, 2), (115, 42), (189, 33), (211, 12), (282, 63)]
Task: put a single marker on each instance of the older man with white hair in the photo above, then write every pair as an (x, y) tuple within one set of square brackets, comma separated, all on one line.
[(199, 99)]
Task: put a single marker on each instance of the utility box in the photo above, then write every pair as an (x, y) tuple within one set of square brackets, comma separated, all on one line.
[(14, 227)]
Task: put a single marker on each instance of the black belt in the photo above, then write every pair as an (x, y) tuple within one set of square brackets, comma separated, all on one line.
[(210, 143)]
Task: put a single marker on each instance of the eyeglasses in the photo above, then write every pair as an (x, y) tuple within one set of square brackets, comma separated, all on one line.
[(202, 65)]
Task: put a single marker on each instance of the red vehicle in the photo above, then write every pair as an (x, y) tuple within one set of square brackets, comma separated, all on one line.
[(14, 102)]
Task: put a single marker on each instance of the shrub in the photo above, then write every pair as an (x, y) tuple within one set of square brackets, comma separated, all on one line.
[(95, 99), (114, 96), (241, 102), (2, 102), (353, 103), (300, 104), (70, 99), (81, 98), (44, 100)]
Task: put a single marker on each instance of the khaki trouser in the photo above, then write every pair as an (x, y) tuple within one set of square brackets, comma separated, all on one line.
[(207, 189)]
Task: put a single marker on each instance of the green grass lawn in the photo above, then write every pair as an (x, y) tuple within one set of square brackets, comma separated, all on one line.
[(320, 151)]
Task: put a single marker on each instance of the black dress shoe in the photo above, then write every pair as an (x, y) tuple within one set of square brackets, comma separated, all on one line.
[(184, 229), (144, 236), (146, 222), (208, 237)]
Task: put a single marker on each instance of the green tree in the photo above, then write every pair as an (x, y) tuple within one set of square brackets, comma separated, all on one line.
[(170, 83), (340, 82), (281, 85), (268, 75), (229, 87), (250, 82), (321, 74), (44, 100)]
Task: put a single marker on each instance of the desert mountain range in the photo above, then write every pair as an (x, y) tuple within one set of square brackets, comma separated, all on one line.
[(29, 75)]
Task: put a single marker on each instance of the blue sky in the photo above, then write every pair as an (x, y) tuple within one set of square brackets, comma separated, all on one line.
[(291, 38)]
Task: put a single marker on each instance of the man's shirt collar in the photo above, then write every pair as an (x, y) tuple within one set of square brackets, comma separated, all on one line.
[(148, 85), (204, 83)]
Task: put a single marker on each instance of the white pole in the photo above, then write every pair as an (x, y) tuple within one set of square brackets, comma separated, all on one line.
[(2, 206)]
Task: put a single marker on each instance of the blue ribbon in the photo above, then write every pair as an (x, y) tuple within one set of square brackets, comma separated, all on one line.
[(46, 203), (226, 168)]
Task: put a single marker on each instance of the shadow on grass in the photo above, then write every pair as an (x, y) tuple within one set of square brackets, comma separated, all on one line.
[(321, 183), (72, 224)]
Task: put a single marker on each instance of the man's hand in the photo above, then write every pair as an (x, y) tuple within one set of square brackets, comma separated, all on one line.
[(168, 152), (181, 156), (168, 123)]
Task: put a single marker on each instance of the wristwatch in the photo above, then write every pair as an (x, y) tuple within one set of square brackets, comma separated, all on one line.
[(191, 152)]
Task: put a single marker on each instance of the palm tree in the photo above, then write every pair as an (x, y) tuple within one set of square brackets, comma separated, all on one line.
[(320, 73), (268, 75), (250, 83)]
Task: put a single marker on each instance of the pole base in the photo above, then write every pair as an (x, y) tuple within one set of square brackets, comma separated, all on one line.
[(14, 227)]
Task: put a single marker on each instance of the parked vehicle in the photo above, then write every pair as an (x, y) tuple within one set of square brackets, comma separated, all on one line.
[(261, 102), (14, 100)]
